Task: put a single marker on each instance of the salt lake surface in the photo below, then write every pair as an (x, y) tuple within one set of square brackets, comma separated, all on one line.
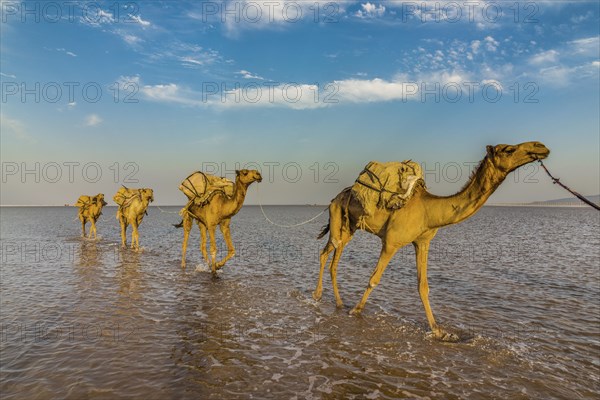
[(85, 319)]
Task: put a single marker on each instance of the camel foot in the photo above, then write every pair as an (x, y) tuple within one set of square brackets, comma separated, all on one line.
[(339, 304), (355, 311), (317, 295), (183, 265), (444, 336)]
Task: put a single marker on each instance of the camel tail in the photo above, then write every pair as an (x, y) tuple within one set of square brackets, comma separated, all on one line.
[(179, 225), (324, 231)]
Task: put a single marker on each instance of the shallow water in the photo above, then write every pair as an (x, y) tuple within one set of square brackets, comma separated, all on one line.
[(84, 319)]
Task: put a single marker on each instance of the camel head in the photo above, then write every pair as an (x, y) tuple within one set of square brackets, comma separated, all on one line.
[(247, 176), (147, 194), (507, 158), (99, 198)]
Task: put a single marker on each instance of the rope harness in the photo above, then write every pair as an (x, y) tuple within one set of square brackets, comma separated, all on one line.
[(129, 199), (394, 199), (574, 193), (285, 226)]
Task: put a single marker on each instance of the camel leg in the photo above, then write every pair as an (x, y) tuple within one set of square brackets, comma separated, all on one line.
[(387, 252), (421, 251), (92, 228), (335, 229), (82, 226), (224, 226), (135, 236), (333, 268), (123, 232), (203, 241), (213, 249), (323, 259), (187, 227)]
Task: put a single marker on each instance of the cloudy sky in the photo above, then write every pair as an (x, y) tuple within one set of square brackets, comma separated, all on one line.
[(98, 94)]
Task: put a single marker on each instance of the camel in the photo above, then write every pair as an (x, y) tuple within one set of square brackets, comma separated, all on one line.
[(218, 209), (90, 209), (418, 221), (133, 204)]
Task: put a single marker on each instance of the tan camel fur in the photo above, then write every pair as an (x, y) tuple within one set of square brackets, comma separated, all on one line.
[(418, 220), (217, 210), (133, 205), (90, 209)]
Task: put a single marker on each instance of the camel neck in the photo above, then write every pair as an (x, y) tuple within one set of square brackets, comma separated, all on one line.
[(442, 211), (237, 200)]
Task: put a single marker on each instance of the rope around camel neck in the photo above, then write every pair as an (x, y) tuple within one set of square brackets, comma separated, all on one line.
[(285, 226), (574, 193)]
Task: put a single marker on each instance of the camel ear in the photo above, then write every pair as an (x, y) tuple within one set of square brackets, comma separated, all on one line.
[(237, 172), (490, 150)]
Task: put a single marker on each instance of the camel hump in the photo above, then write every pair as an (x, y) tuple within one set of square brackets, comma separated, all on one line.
[(201, 185), (386, 185)]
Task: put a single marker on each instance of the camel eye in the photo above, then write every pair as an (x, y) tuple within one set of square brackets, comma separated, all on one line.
[(509, 150)]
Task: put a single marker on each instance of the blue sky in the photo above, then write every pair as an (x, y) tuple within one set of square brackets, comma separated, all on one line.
[(96, 94)]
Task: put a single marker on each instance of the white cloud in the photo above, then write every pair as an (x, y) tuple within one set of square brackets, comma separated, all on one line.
[(586, 46), (260, 15), (369, 10), (93, 120), (545, 57), (97, 18), (494, 82), (577, 19), (14, 128), (171, 93), (371, 90), (475, 46), (306, 96), (131, 39), (138, 20), (8, 75), (63, 50), (72, 104), (190, 60), (562, 76), (193, 56), (248, 75), (490, 43)]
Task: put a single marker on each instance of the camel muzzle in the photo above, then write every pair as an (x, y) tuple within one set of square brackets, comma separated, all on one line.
[(539, 156)]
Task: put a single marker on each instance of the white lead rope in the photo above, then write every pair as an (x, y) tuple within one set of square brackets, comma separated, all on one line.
[(166, 212), (280, 225)]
